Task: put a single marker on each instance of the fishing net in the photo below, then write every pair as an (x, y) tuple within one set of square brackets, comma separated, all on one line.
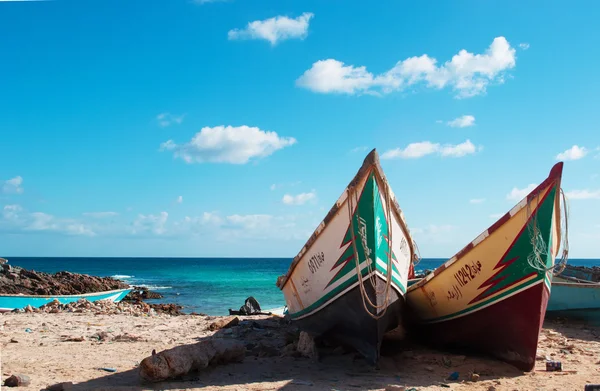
[(541, 251)]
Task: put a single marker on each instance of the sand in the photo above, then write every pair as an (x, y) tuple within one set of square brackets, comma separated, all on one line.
[(43, 354)]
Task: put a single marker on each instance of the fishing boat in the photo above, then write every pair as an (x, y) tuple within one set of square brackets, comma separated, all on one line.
[(16, 301), (582, 272), (492, 295), (574, 298), (349, 280)]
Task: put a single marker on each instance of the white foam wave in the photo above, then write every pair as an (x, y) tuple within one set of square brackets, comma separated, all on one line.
[(153, 287), (122, 276)]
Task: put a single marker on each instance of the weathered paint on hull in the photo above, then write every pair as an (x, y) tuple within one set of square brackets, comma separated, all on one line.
[(465, 300), (504, 330), (11, 302), (574, 296), (346, 321), (365, 226)]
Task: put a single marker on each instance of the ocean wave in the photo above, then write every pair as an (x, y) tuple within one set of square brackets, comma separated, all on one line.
[(121, 276), (153, 287)]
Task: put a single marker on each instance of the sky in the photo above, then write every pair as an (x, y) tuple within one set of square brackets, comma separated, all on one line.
[(229, 128)]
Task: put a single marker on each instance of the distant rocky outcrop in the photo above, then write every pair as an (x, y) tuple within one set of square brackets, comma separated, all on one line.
[(15, 280)]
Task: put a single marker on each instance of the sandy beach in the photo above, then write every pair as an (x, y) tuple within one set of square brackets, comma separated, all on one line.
[(73, 347)]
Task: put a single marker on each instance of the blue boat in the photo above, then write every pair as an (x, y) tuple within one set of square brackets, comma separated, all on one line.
[(574, 298), (11, 302)]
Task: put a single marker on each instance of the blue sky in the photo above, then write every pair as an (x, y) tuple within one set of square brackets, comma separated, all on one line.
[(229, 128)]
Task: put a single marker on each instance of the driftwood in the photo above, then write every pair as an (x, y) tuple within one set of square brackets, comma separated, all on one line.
[(181, 360)]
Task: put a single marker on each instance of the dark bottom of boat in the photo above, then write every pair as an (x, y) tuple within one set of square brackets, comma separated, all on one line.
[(346, 321), (508, 330)]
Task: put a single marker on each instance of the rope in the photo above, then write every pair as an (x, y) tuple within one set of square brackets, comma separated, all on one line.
[(562, 264), (371, 276), (538, 244)]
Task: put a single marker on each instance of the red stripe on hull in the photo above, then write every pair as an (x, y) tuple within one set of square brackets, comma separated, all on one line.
[(508, 330)]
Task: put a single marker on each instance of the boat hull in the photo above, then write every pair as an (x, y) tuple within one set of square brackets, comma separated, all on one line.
[(492, 296), (346, 322), (12, 302), (361, 253), (575, 300), (507, 330)]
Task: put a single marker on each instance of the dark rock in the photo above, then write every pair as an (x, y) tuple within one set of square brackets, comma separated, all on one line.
[(139, 294), (30, 282), (17, 381)]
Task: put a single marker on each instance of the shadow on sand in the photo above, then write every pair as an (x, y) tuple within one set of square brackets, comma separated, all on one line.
[(338, 368), (584, 325)]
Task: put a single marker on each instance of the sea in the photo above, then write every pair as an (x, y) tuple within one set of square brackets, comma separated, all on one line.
[(203, 285)]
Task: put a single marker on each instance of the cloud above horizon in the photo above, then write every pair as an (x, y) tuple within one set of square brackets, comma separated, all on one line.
[(583, 194), (467, 74), (573, 153), (12, 186), (299, 199), (167, 119), (462, 122), (424, 148), (275, 29), (517, 194), (228, 144)]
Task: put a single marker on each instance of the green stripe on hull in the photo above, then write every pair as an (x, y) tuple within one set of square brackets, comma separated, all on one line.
[(371, 230), (347, 284), (511, 272)]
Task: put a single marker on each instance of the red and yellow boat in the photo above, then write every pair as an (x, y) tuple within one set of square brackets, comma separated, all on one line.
[(492, 295)]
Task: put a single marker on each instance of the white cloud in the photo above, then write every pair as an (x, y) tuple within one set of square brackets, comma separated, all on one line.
[(179, 199), (583, 194), (299, 199), (359, 149), (412, 151), (228, 144), (462, 122), (524, 45), (418, 150), (274, 30), (276, 186), (150, 223), (12, 186), (477, 200), (517, 194), (573, 153), (466, 73), (168, 119), (100, 215)]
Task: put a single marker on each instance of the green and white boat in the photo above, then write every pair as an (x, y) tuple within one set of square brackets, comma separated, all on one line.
[(364, 234)]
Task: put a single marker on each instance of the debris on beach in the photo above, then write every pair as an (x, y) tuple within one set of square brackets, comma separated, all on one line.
[(181, 360), (17, 381), (250, 307)]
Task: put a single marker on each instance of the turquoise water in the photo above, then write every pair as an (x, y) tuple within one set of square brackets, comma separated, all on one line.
[(208, 285)]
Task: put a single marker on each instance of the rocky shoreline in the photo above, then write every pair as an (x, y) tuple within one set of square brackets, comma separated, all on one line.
[(16, 280)]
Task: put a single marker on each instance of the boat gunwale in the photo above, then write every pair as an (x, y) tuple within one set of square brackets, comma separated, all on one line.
[(63, 296), (554, 175), (371, 161)]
